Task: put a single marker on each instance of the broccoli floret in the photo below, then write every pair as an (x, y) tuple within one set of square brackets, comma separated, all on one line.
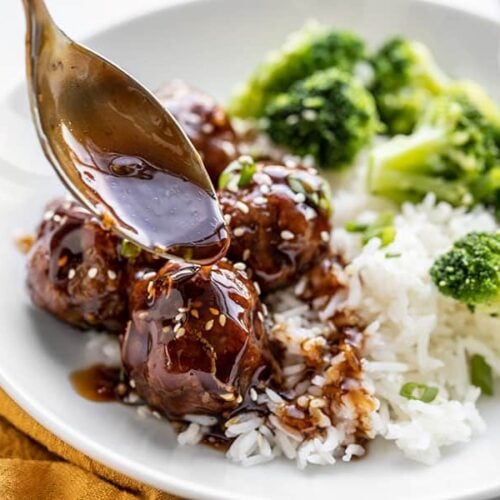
[(470, 271), (406, 78), (312, 48), (454, 153), (329, 116)]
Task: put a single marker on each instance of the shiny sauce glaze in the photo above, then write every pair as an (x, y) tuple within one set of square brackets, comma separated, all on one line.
[(123, 155), (195, 342), (99, 383)]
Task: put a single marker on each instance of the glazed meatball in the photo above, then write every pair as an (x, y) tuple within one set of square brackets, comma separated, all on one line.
[(278, 219), (75, 271), (195, 342), (205, 123)]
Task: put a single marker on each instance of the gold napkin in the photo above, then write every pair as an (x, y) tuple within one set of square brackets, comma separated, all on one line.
[(36, 465)]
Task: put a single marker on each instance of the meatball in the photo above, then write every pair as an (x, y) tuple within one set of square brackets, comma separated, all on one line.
[(205, 123), (196, 341), (278, 219), (75, 271)]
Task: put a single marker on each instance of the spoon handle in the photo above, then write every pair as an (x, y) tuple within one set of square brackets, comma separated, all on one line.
[(37, 18)]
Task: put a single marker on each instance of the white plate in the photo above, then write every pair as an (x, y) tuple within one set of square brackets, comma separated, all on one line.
[(213, 44)]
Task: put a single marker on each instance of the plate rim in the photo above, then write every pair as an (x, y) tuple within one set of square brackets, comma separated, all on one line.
[(106, 456)]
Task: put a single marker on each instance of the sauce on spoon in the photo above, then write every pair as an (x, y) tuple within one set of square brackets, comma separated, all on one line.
[(118, 150)]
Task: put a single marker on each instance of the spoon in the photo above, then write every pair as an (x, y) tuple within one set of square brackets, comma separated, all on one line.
[(117, 149)]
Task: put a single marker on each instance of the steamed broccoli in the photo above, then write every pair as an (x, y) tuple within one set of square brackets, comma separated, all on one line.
[(470, 271), (329, 116), (406, 78), (453, 153), (312, 48)]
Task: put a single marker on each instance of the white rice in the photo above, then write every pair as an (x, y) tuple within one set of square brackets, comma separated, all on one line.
[(412, 334)]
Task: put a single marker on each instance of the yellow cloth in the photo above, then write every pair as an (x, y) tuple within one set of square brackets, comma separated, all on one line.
[(36, 465)]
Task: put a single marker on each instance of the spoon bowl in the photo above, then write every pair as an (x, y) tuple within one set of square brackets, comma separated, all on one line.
[(117, 149)]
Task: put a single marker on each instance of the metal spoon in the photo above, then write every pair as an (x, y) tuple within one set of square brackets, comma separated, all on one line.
[(117, 149)]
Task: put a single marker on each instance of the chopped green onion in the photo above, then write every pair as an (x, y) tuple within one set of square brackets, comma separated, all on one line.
[(385, 234), (296, 185), (481, 374), (243, 168), (247, 171), (381, 228), (228, 173), (356, 227), (390, 255), (325, 198), (129, 250), (319, 196), (420, 392)]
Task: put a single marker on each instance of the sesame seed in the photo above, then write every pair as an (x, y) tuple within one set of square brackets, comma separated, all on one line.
[(264, 189), (299, 198), (214, 311), (56, 218), (148, 276), (48, 215), (228, 397), (183, 309), (253, 394), (265, 309), (239, 231), (180, 316), (287, 235), (131, 382), (111, 274), (246, 254), (291, 162), (156, 415), (325, 236), (303, 401), (142, 315), (260, 316), (92, 272), (310, 214), (150, 286), (228, 148), (195, 313), (260, 200), (222, 319), (180, 332), (317, 403), (207, 128), (265, 179), (300, 287), (242, 206), (166, 329), (227, 219), (71, 274), (241, 266), (177, 327), (257, 288), (209, 324)]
